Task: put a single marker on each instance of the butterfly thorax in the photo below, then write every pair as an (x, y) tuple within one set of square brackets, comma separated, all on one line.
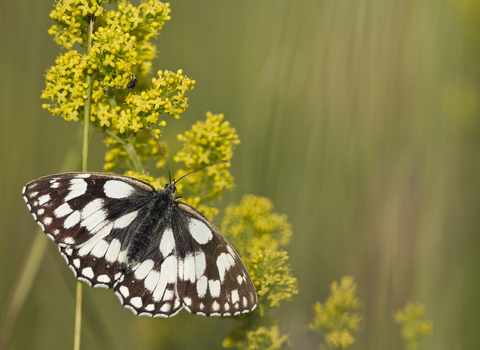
[(154, 219)]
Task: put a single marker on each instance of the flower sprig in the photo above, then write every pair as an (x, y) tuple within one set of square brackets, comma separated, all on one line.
[(336, 319), (208, 141), (413, 328), (257, 233), (120, 49)]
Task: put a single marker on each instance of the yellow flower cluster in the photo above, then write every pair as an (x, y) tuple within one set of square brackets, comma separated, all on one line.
[(208, 141), (253, 226), (334, 319), (260, 338), (65, 85), (412, 327), (272, 277), (72, 20), (120, 48), (257, 233)]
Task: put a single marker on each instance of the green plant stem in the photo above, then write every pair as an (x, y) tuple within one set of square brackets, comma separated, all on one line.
[(24, 285), (86, 125), (130, 149)]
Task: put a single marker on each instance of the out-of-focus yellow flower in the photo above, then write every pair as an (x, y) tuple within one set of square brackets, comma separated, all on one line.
[(335, 319), (412, 327)]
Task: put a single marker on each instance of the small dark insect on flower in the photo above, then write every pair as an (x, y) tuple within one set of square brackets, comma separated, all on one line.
[(132, 83)]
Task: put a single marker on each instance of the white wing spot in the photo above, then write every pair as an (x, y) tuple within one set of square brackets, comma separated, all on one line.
[(124, 291), (32, 194), (76, 263), (69, 240), (77, 188), (92, 242), (117, 189), (215, 306), (43, 199), (47, 221), (72, 220), (202, 286), (113, 250), (235, 297), (54, 184), (166, 307), (92, 208), (167, 243), (144, 268), (152, 280), (202, 306), (245, 302), (150, 307), (187, 301), (189, 268), (199, 231), (200, 264), (168, 273), (103, 279), (88, 272), (100, 249), (239, 279), (168, 294), (62, 210), (137, 302), (227, 306), (224, 262), (125, 220), (40, 211), (214, 287)]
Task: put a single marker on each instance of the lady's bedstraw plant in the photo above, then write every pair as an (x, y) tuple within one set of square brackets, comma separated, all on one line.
[(257, 233), (121, 49)]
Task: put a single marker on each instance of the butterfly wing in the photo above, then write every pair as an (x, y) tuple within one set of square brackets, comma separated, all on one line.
[(150, 286), (91, 217), (190, 265), (212, 279), (94, 218)]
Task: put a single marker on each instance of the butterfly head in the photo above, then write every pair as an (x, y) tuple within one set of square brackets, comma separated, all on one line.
[(170, 189)]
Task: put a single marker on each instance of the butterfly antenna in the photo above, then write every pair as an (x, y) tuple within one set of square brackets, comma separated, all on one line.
[(220, 161), (161, 150)]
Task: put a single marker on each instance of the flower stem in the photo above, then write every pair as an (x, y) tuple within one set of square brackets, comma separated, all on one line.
[(131, 152), (86, 125)]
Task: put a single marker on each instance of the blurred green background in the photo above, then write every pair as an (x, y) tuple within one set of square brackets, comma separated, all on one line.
[(359, 119)]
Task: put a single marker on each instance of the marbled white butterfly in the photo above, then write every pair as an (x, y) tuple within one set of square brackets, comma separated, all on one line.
[(158, 254)]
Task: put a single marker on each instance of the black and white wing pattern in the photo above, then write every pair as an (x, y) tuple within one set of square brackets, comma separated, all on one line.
[(158, 254)]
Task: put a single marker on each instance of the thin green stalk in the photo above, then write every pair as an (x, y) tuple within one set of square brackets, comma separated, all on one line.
[(23, 288), (130, 149), (86, 125)]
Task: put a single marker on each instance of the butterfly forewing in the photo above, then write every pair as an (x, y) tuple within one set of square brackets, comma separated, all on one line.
[(158, 254)]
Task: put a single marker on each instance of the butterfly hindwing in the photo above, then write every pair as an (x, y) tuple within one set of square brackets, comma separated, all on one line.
[(212, 278)]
